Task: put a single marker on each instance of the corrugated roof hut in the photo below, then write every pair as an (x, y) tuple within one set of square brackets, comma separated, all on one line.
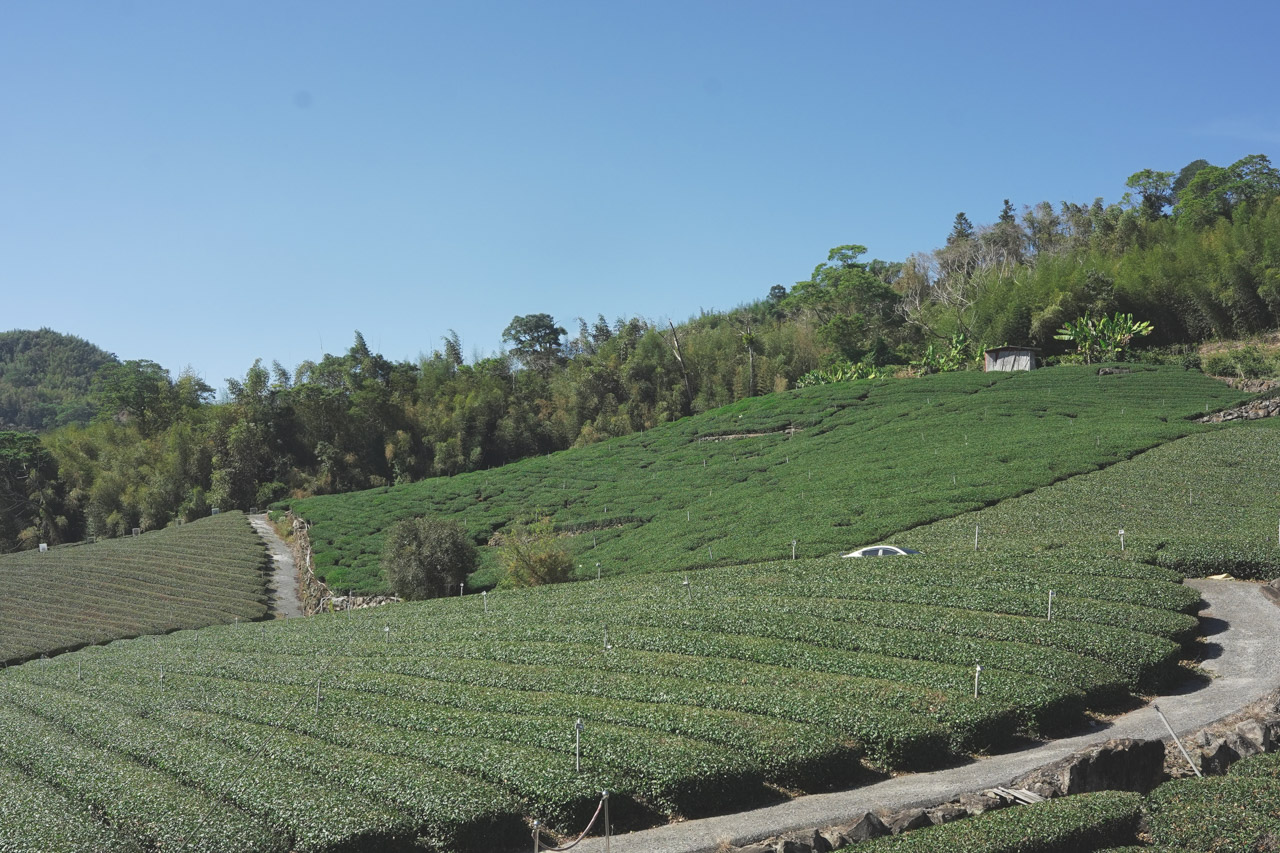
[(1010, 358)]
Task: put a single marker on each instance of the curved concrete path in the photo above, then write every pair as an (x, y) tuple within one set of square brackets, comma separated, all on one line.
[(282, 589), (1242, 653)]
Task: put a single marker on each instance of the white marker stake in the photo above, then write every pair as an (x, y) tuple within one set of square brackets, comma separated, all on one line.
[(461, 586), (597, 571), (977, 671), (577, 745), (386, 633), (793, 548), (485, 597), (1050, 616), (317, 696), (1181, 749), (1121, 538), (688, 589), (606, 638), (975, 537)]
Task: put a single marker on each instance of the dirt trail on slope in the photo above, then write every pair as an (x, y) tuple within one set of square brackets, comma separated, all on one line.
[(283, 586), (1242, 632)]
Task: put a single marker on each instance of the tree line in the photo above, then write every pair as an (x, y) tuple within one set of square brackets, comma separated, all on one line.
[(1194, 253)]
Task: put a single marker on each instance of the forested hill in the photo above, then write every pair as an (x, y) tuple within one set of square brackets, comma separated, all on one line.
[(47, 379), (1188, 255)]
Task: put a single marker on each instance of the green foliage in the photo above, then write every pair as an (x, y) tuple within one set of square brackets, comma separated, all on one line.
[(531, 554), (844, 372), (453, 717), (833, 467), (1247, 362), (1200, 505), (426, 557), (1224, 813), (199, 574), (1103, 338), (1265, 766), (938, 360), (1067, 825), (47, 379)]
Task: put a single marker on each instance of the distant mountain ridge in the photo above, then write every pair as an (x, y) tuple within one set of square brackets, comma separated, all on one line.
[(47, 379)]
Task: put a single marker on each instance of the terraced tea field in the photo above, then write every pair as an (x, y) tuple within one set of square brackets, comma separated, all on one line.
[(866, 459), (451, 722), (199, 574), (1201, 505)]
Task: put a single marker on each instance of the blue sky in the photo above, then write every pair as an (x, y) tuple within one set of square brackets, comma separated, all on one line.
[(204, 184)]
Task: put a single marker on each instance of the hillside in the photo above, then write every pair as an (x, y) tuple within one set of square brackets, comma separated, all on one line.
[(831, 467), (204, 573), (449, 723), (46, 379)]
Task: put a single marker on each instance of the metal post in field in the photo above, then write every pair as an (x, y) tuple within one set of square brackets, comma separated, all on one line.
[(1050, 616), (1181, 749), (977, 672)]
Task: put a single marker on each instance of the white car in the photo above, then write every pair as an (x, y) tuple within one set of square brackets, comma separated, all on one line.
[(880, 551)]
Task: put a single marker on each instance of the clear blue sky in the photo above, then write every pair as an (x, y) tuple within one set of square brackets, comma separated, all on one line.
[(206, 183)]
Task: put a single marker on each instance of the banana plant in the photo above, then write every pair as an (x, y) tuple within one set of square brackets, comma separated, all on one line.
[(1104, 338)]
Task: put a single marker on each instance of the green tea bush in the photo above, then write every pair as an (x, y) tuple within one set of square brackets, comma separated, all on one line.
[(1225, 813), (1067, 825)]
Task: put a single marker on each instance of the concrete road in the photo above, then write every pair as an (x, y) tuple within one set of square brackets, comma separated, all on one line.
[(283, 585), (1242, 653)]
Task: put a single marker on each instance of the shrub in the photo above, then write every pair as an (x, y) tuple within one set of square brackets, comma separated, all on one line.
[(532, 554), (426, 557)]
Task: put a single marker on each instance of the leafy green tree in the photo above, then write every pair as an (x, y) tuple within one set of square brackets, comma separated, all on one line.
[(426, 557), (1155, 190), (535, 340), (1213, 192), (137, 390), (532, 555)]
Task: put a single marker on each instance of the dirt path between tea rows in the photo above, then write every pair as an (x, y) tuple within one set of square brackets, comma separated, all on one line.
[(283, 586), (1242, 653)]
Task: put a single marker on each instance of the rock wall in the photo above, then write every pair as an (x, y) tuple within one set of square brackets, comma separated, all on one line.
[(1251, 411), (316, 596)]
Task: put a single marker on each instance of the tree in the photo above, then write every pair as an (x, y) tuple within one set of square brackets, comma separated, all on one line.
[(137, 390), (961, 230), (535, 341), (1213, 192), (532, 555), (426, 557), (1156, 190)]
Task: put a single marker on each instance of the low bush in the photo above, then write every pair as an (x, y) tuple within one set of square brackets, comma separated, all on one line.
[(1215, 815), (1067, 825)]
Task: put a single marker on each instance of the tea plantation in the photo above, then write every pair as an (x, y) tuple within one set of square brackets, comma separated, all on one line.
[(737, 485), (449, 725), (1201, 505), (203, 573)]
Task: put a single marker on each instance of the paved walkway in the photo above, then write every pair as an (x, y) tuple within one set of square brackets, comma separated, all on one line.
[(1243, 653), (283, 586)]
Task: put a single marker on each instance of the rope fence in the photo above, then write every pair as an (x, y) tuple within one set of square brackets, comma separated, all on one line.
[(603, 807)]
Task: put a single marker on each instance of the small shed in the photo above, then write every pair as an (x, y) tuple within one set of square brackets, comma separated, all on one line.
[(1010, 358)]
